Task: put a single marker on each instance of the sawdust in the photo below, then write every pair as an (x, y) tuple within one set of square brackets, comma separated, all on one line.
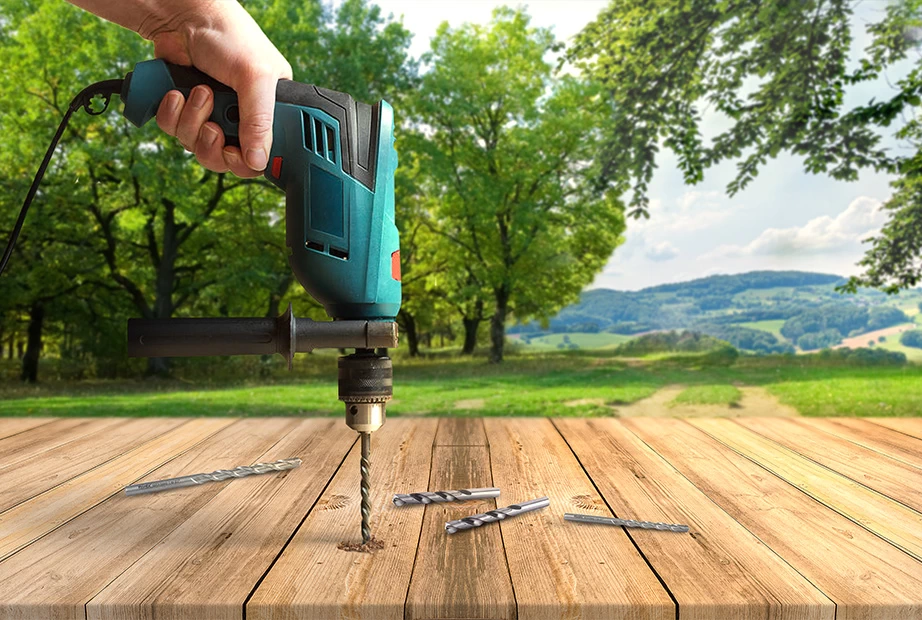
[(371, 546)]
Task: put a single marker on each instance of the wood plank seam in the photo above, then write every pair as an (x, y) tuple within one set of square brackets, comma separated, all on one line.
[(88, 508), (828, 468), (406, 598), (501, 539), (294, 532), (100, 464), (833, 508), (880, 423), (28, 428), (869, 445), (626, 530)]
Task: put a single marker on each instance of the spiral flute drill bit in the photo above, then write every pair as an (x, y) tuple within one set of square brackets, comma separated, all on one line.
[(499, 514), (429, 497), (644, 525), (215, 476), (366, 487)]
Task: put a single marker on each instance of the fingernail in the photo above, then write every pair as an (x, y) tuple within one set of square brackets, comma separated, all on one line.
[(231, 158), (257, 159), (199, 97), (175, 101), (209, 135)]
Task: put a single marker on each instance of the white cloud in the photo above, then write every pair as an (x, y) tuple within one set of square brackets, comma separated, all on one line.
[(662, 251), (821, 235), (693, 210)]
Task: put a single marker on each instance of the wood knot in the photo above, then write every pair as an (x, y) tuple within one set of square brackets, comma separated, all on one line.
[(334, 502), (587, 502)]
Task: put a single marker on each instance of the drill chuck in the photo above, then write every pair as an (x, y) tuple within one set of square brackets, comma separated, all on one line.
[(366, 384)]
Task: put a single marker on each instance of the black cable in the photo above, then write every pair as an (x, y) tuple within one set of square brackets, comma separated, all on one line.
[(105, 89)]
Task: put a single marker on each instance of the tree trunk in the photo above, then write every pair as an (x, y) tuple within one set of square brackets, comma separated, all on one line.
[(498, 326), (12, 342), (20, 349), (470, 335), (408, 330), (34, 350)]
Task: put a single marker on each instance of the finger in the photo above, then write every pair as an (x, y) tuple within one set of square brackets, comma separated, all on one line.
[(257, 107), (209, 150), (235, 164), (194, 114), (168, 113)]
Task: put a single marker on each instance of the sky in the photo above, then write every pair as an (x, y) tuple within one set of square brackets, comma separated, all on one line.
[(785, 219)]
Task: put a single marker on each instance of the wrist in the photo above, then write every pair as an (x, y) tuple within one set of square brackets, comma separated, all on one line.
[(180, 17)]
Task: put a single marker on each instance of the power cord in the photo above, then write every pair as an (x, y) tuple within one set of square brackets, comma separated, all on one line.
[(104, 89)]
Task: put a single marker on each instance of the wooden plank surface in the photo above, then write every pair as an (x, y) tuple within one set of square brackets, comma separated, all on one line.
[(874, 436), (895, 479), (561, 569), (43, 513), (49, 468), (907, 426), (461, 575), (208, 566), (790, 520), (14, 426), (867, 577), (313, 578), (891, 520), (719, 570), (58, 574)]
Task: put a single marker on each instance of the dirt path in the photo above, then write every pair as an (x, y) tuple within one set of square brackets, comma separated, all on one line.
[(756, 401)]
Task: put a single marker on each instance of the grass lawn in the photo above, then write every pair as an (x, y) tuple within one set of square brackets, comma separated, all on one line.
[(892, 343), (709, 395), (558, 384), (580, 339)]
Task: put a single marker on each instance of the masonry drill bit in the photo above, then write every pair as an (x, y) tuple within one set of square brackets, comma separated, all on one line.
[(645, 525), (366, 487), (429, 497), (215, 476), (491, 516)]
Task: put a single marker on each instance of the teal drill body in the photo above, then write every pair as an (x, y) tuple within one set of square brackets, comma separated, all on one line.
[(334, 158)]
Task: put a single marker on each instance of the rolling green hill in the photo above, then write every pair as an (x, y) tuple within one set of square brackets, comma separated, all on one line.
[(760, 311)]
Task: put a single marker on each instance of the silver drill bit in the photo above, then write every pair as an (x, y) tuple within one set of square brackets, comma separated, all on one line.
[(428, 497), (215, 476), (645, 525), (499, 514), (366, 487)]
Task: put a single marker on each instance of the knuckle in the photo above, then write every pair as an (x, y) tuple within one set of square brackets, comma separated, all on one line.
[(257, 123)]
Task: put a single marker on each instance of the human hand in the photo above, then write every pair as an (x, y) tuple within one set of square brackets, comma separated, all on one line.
[(221, 39)]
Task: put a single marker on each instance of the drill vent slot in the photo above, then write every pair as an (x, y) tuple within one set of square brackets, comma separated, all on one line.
[(313, 245), (319, 138), (339, 253)]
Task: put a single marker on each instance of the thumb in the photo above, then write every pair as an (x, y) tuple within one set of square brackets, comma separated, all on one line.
[(256, 98)]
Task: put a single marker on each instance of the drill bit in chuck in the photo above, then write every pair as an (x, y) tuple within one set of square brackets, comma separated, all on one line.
[(644, 525), (215, 476), (429, 497), (499, 514)]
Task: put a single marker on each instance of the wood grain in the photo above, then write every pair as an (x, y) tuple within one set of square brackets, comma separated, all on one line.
[(895, 479), (314, 579), (49, 436), (14, 426), (719, 570), (874, 436), (866, 577), (43, 513), (58, 574), (561, 569), (48, 469), (462, 575), (209, 565), (887, 518), (907, 426), (461, 432)]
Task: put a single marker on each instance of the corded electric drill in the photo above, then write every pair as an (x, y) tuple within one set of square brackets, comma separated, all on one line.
[(334, 158)]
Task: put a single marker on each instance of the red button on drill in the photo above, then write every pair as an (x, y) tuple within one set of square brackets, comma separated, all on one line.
[(276, 167)]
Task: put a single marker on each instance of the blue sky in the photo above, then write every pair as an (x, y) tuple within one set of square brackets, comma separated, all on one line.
[(785, 219)]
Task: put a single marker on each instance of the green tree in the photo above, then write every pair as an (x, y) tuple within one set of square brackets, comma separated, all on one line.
[(911, 338), (779, 72), (507, 146)]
